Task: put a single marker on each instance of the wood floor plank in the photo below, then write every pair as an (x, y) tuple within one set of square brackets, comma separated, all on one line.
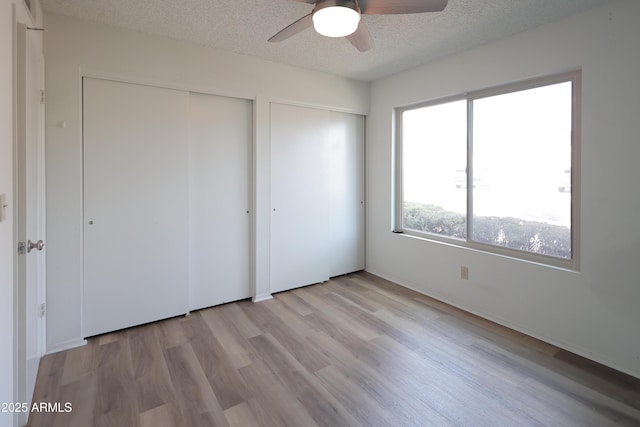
[(358, 350), (366, 410), (114, 382), (300, 325), (476, 327), (160, 416), (342, 287), (294, 302), (170, 333), (108, 337), (380, 377), (588, 397), (620, 402), (230, 337), (374, 322), (560, 410), (319, 403), (465, 385), (606, 380), (152, 379), (234, 314), (385, 287), (79, 363), (198, 403), (406, 305), (81, 395), (241, 415), (270, 323), (225, 381), (425, 386), (317, 299), (49, 378), (147, 372), (273, 403)]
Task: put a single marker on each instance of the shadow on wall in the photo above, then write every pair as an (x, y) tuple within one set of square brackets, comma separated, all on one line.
[(611, 281)]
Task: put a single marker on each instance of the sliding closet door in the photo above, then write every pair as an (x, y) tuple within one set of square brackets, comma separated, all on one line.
[(299, 183), (219, 199), (135, 204), (317, 193), (346, 193)]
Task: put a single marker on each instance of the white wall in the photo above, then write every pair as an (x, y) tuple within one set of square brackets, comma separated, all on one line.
[(594, 312), (7, 242), (73, 47)]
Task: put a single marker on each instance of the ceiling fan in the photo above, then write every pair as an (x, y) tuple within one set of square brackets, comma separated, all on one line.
[(342, 18)]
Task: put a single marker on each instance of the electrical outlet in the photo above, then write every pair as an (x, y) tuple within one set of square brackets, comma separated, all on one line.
[(464, 272)]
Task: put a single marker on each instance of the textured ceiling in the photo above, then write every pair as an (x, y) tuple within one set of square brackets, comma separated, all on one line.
[(400, 41)]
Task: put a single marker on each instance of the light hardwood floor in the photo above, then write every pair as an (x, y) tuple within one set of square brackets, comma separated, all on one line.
[(357, 350)]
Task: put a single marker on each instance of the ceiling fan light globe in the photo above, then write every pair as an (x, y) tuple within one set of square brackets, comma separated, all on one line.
[(336, 21)]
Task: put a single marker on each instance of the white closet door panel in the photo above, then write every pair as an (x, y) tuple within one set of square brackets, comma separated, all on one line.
[(346, 193), (219, 199), (299, 221), (135, 204)]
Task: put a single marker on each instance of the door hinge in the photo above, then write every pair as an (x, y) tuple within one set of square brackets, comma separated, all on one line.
[(41, 96), (42, 310), (22, 248)]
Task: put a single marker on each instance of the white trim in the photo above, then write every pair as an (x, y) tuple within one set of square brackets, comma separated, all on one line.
[(165, 84), (19, 296), (14, 202), (574, 77), (285, 101), (42, 212), (263, 297), (66, 345), (81, 206), (253, 200)]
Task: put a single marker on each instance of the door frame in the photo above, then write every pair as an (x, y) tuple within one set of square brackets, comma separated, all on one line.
[(22, 187)]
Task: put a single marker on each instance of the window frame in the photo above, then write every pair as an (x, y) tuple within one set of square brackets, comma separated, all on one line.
[(573, 76)]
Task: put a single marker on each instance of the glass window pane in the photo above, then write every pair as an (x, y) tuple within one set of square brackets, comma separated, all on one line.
[(522, 170), (434, 157)]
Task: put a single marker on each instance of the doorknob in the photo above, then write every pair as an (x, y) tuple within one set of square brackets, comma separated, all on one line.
[(37, 245)]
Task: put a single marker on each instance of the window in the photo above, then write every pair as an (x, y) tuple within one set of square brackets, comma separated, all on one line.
[(494, 169)]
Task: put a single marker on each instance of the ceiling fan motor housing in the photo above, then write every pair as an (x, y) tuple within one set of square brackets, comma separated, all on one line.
[(336, 18), (351, 4)]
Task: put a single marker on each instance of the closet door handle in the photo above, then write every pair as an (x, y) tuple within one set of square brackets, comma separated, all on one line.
[(37, 245)]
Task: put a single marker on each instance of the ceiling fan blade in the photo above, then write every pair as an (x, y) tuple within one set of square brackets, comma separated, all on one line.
[(361, 39), (293, 29), (396, 7)]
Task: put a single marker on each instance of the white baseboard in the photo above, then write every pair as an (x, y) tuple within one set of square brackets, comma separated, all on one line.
[(263, 297), (65, 345)]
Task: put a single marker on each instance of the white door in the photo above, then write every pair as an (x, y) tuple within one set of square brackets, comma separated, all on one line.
[(299, 202), (317, 193), (30, 213), (135, 204), (219, 199), (346, 193)]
